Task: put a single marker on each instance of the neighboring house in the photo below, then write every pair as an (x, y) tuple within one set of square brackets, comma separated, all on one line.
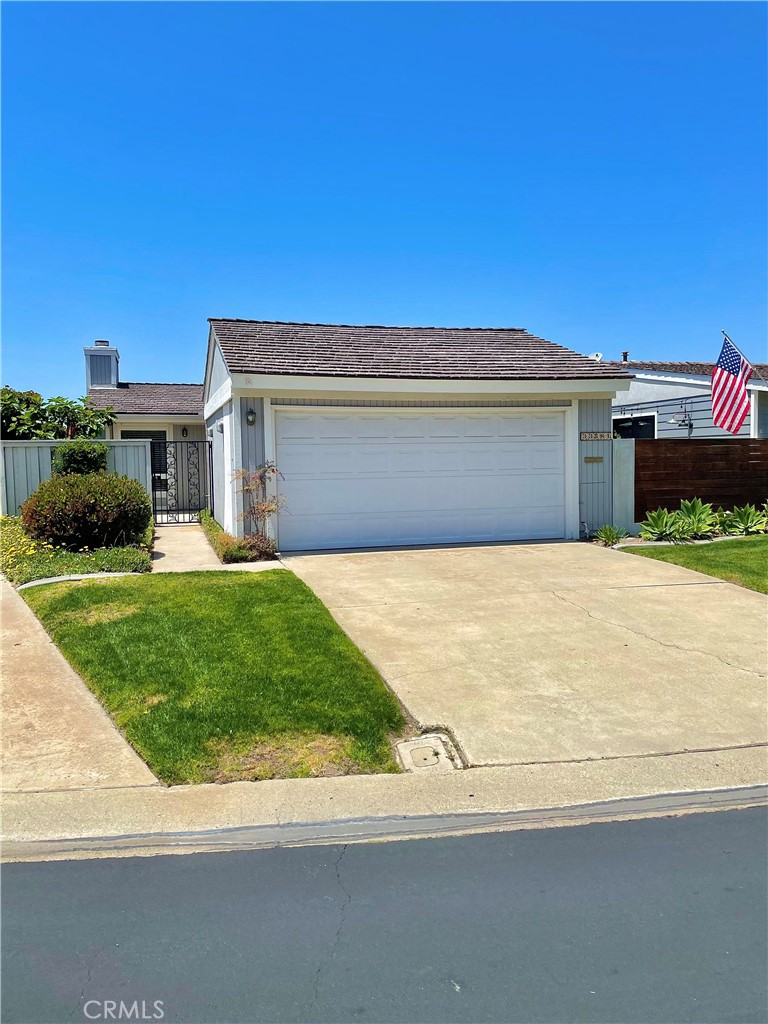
[(160, 412), (673, 400), (410, 435)]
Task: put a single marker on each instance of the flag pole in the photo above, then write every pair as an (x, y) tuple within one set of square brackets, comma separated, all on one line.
[(754, 368)]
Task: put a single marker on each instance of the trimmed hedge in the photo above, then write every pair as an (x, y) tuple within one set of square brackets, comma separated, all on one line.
[(80, 456), (229, 549), (92, 510)]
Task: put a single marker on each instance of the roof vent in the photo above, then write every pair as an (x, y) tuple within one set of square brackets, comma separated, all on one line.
[(625, 357), (101, 343)]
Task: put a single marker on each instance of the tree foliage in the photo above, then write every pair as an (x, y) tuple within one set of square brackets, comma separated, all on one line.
[(27, 416)]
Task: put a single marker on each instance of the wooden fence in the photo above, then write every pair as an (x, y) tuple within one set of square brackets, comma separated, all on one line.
[(725, 472), (25, 464)]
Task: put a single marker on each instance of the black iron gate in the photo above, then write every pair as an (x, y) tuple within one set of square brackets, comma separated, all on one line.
[(181, 480)]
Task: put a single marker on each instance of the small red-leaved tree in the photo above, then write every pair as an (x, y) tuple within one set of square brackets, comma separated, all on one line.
[(259, 505)]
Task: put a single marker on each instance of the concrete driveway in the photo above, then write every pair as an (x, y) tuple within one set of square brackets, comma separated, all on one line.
[(555, 651)]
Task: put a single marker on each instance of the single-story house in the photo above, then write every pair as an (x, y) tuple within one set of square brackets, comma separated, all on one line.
[(410, 435), (157, 411), (673, 400)]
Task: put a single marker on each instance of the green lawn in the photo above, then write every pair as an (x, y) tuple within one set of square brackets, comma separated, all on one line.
[(743, 560), (219, 676)]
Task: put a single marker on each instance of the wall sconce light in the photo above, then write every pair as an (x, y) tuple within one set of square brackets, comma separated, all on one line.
[(184, 431), (250, 418)]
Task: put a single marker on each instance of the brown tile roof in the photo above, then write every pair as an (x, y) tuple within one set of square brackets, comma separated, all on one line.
[(150, 399), (451, 353), (692, 368)]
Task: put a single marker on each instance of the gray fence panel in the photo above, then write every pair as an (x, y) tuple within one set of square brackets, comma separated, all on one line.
[(25, 464)]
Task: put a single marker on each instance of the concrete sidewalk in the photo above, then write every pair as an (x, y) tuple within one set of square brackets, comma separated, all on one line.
[(56, 735), (186, 549), (242, 815)]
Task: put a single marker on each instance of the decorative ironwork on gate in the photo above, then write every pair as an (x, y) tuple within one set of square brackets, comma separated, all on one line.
[(181, 480)]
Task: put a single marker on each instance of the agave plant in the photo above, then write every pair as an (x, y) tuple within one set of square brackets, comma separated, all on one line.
[(747, 519), (609, 535), (661, 524), (724, 522), (696, 519)]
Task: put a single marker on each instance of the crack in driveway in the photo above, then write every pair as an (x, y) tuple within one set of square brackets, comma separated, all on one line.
[(656, 640)]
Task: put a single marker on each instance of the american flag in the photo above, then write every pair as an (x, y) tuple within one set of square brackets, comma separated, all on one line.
[(730, 401)]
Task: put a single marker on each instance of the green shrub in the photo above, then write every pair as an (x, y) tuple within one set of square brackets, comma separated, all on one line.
[(229, 549), (696, 519), (609, 535), (93, 510), (661, 524), (80, 456), (747, 519)]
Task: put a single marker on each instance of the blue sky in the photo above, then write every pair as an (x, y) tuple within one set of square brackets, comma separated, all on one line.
[(593, 172)]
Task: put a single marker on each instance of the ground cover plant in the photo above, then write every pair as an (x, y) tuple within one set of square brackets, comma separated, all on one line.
[(230, 549), (743, 560), (23, 559), (218, 676)]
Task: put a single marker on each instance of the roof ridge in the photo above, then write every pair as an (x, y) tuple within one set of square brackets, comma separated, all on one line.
[(161, 383), (383, 327)]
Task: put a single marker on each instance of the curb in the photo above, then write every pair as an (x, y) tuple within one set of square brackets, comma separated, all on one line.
[(77, 576), (373, 829)]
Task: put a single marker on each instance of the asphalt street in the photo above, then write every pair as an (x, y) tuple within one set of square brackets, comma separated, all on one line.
[(653, 920)]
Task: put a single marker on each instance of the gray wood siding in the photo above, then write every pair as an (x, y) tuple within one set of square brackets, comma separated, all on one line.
[(251, 444), (762, 413), (218, 374), (195, 432), (595, 478), (699, 407), (221, 472)]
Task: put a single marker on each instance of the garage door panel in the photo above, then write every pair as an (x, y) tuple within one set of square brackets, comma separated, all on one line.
[(546, 490), (357, 479), (304, 427), (364, 460), (476, 459), (307, 460), (481, 426), (374, 426), (547, 425), (445, 426), (547, 457), (342, 427), (410, 460), (409, 426), (514, 426)]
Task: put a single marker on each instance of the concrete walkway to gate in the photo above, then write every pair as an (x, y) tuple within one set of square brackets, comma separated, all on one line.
[(186, 549)]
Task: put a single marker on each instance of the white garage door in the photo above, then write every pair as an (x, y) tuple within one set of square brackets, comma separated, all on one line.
[(368, 479)]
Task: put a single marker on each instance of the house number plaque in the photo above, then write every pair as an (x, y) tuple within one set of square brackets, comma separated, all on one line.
[(595, 435)]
